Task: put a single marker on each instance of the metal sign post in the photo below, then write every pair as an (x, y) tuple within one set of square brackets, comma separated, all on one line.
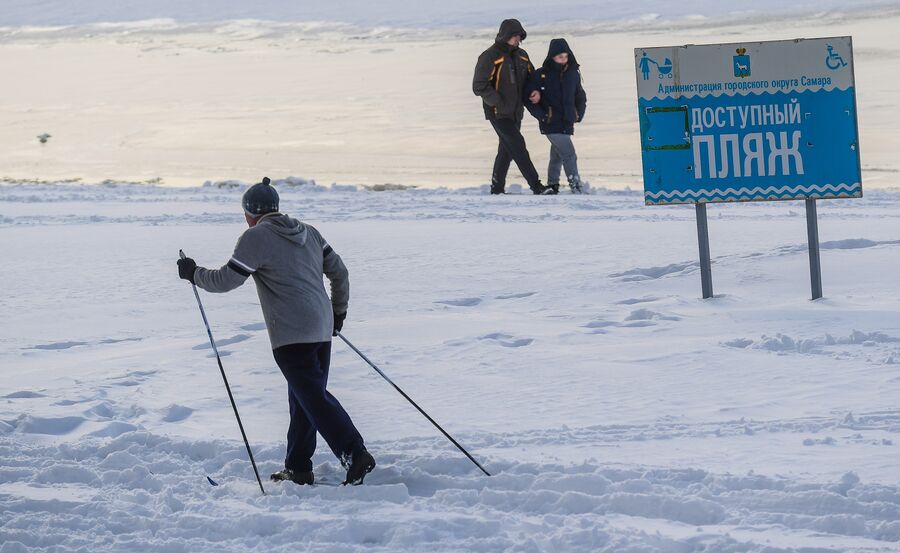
[(815, 267), (746, 122), (705, 261)]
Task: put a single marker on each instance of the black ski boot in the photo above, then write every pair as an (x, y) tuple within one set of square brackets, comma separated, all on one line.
[(538, 189), (295, 476), (497, 187), (358, 466), (551, 190)]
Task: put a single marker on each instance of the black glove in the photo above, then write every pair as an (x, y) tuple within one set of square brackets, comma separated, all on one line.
[(186, 268), (338, 322)]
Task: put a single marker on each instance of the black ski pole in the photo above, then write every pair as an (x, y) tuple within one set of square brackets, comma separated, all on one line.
[(227, 387), (414, 404)]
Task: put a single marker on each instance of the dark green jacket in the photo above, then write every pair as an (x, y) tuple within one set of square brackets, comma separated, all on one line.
[(501, 75)]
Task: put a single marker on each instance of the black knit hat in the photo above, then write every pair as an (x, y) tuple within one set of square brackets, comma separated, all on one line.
[(260, 198)]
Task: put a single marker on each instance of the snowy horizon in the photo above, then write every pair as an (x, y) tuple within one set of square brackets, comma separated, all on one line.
[(412, 14)]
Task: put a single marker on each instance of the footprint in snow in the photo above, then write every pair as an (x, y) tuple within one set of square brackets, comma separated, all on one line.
[(103, 410), (119, 340), (224, 342), (633, 301), (114, 430), (461, 302), (254, 326), (638, 324), (649, 315), (142, 373), (53, 426), (506, 340), (177, 413), (70, 402), (652, 273), (599, 326), (636, 319), (107, 410), (72, 344), (59, 345), (740, 343), (133, 378), (24, 394), (515, 296)]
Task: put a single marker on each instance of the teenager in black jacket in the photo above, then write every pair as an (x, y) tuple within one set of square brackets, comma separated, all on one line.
[(562, 104)]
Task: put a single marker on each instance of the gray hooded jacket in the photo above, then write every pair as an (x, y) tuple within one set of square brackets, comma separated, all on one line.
[(286, 259)]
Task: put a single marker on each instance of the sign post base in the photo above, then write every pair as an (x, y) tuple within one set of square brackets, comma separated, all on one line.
[(815, 267), (703, 240)]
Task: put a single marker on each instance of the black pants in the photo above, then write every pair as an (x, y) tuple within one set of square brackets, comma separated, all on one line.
[(305, 366), (512, 148)]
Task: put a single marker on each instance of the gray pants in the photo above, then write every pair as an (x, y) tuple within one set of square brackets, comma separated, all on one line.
[(562, 155)]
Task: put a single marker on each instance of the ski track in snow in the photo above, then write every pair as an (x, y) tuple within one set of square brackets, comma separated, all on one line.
[(142, 491), (561, 342)]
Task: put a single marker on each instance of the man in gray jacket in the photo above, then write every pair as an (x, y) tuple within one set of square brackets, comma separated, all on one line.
[(287, 259)]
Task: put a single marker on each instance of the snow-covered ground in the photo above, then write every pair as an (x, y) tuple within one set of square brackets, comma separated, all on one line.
[(561, 339)]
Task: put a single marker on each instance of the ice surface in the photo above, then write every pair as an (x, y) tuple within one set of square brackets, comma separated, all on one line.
[(385, 101)]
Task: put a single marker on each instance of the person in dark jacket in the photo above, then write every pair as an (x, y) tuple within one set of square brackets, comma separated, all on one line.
[(500, 77), (287, 259), (561, 105)]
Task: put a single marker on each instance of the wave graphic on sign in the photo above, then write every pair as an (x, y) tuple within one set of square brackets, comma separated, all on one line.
[(841, 190)]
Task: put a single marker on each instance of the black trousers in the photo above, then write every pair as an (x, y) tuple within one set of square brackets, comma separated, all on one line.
[(313, 408), (512, 148)]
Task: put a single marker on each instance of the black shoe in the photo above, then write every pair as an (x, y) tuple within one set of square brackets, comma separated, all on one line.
[(297, 477), (575, 185), (359, 465), (538, 189), (551, 190), (496, 190), (498, 187)]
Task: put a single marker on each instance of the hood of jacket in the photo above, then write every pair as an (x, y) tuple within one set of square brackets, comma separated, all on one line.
[(559, 46), (510, 28), (285, 226)]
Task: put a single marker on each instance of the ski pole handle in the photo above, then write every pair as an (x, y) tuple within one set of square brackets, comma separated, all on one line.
[(181, 254)]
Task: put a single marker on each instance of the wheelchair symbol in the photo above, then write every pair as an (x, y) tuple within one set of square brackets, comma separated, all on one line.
[(834, 60)]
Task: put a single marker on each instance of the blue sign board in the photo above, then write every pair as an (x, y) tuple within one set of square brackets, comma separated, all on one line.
[(748, 121)]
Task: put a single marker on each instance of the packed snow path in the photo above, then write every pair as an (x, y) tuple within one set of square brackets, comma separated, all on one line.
[(141, 491), (561, 340)]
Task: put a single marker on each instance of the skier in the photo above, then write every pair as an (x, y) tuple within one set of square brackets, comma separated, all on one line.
[(500, 76), (287, 259), (562, 104)]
